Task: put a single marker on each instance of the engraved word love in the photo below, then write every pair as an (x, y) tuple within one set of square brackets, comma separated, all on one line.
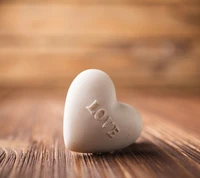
[(101, 115)]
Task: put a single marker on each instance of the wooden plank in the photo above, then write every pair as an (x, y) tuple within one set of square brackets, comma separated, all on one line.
[(142, 62), (122, 21), (136, 45), (32, 146), (86, 2), (65, 42), (56, 72)]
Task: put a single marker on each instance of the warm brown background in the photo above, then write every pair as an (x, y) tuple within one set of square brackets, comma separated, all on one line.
[(146, 43), (150, 48)]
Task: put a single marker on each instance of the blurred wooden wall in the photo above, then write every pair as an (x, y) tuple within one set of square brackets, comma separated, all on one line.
[(143, 43)]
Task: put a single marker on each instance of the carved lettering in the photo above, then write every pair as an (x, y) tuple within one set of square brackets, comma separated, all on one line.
[(108, 123), (92, 107), (100, 115), (113, 132)]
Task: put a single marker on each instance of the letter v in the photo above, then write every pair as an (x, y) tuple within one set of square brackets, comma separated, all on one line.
[(108, 123)]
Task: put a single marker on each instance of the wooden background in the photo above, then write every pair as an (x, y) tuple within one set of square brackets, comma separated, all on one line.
[(151, 50), (146, 43)]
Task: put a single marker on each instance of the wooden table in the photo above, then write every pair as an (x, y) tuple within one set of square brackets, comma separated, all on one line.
[(31, 140)]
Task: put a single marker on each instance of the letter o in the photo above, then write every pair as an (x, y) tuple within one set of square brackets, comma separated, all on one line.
[(100, 115)]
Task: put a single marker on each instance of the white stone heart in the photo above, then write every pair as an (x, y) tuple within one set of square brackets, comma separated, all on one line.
[(94, 121)]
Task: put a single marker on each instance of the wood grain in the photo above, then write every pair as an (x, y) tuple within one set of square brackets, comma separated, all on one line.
[(55, 61), (47, 70), (48, 44), (31, 141), (123, 21), (108, 2), (147, 44)]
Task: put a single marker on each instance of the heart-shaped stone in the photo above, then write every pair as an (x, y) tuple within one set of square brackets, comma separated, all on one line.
[(94, 121)]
